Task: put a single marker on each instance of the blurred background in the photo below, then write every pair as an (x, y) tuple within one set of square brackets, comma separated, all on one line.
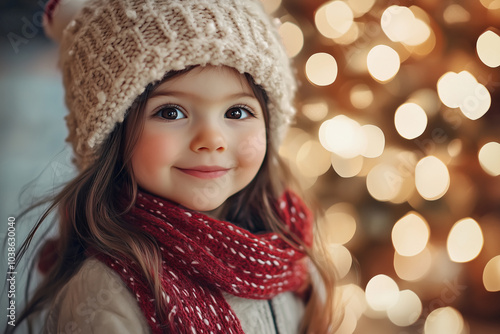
[(397, 134)]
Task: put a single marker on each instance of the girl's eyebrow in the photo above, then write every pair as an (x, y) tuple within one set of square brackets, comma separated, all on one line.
[(194, 95)]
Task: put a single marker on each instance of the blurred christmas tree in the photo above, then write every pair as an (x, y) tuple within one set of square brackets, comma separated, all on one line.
[(398, 134)]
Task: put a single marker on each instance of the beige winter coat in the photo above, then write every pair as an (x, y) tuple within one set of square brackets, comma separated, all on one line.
[(96, 300)]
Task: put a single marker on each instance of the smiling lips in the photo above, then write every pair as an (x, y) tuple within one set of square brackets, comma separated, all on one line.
[(205, 172)]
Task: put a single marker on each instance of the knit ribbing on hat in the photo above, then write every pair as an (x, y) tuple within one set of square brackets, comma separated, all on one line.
[(114, 48)]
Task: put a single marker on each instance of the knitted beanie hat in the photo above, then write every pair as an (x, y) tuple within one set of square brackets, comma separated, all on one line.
[(110, 50)]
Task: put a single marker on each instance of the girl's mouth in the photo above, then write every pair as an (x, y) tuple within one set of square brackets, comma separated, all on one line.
[(205, 172)]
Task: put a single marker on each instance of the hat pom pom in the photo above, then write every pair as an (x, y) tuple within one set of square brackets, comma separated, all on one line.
[(58, 14)]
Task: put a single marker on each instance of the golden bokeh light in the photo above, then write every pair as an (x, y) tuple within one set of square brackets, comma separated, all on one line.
[(396, 22), (347, 167), (360, 7), (343, 136), (420, 33), (292, 37), (455, 147), (361, 96), (381, 292), (465, 241), (353, 297), (342, 259), (432, 178), (321, 69), (293, 141), (384, 182), (312, 151), (400, 25), (340, 223), (350, 36), (383, 62), (315, 111), (348, 324), (452, 87), (333, 19), (410, 234), (428, 99), (407, 309), (271, 5), (491, 4), (489, 158), (410, 120), (455, 13), (375, 141), (488, 48), (461, 90), (444, 320), (491, 275), (413, 268)]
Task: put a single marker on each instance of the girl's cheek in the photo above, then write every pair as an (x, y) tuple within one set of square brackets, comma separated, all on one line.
[(253, 148), (159, 147)]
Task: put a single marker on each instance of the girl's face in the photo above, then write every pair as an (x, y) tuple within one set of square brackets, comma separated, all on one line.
[(204, 138)]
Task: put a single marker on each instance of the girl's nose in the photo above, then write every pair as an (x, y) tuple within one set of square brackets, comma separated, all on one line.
[(208, 138)]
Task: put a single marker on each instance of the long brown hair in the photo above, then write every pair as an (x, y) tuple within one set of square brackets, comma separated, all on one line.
[(91, 217)]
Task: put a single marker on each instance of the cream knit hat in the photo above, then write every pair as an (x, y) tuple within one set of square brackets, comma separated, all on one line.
[(112, 49)]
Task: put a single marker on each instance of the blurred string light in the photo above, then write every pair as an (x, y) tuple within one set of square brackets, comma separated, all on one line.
[(444, 320), (271, 5), (312, 150), (296, 138), (360, 7), (489, 158), (491, 275), (382, 292), (488, 48), (348, 324), (350, 35), (340, 223), (455, 147), (354, 305), (455, 13), (321, 69), (377, 44), (347, 139), (383, 62), (427, 99), (334, 18), (400, 25), (491, 4), (342, 259), (413, 268), (343, 136), (406, 310), (432, 178), (361, 96), (465, 240), (461, 90), (315, 111), (347, 167), (410, 120), (375, 141), (410, 234), (384, 182), (292, 37)]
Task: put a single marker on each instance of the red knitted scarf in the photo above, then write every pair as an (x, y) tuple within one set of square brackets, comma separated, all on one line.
[(203, 256)]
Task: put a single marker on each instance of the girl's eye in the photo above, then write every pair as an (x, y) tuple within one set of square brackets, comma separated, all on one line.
[(170, 113), (238, 113)]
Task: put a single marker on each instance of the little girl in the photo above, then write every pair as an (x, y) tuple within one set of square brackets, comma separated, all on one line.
[(180, 219)]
